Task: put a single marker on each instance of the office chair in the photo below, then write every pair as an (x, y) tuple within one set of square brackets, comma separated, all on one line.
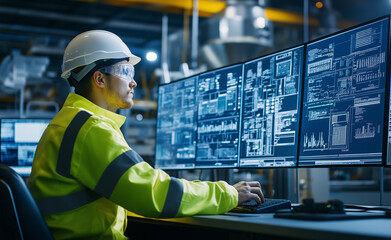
[(19, 215)]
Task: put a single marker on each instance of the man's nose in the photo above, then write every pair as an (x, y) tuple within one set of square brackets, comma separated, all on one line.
[(133, 83)]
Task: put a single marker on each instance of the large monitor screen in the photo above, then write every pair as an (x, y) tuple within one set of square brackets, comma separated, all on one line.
[(344, 94), (218, 98), (19, 139), (176, 125), (270, 110)]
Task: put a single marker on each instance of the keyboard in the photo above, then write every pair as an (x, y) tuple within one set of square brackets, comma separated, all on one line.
[(269, 206)]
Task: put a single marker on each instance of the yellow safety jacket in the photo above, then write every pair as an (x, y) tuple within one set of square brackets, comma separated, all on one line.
[(85, 175)]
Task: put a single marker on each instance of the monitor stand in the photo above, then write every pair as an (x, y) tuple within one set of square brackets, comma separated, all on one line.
[(381, 186), (297, 186), (175, 173), (222, 174)]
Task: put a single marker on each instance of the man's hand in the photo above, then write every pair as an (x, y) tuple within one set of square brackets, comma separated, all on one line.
[(249, 191)]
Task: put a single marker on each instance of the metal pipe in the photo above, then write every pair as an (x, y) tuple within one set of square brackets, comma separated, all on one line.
[(21, 101), (165, 71), (194, 41)]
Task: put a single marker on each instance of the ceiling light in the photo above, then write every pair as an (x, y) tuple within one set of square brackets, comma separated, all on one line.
[(319, 4), (260, 22), (151, 56)]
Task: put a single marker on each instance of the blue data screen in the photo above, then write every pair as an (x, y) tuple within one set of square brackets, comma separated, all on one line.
[(19, 139), (344, 97), (218, 97), (176, 125), (270, 110)]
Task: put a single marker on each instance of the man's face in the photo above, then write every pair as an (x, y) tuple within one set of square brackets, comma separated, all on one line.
[(120, 87)]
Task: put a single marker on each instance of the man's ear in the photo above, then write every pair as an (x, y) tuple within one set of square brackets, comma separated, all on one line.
[(97, 79)]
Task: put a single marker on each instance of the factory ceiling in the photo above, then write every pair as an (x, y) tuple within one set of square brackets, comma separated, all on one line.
[(44, 27)]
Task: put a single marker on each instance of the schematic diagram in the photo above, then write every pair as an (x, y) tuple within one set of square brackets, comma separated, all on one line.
[(271, 100), (176, 125), (218, 100)]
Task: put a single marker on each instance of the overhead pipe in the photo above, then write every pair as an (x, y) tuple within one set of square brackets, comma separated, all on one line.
[(305, 22), (194, 41)]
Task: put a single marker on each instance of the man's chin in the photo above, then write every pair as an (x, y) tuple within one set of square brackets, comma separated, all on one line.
[(128, 104)]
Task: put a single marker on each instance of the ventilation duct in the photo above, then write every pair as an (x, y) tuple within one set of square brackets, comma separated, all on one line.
[(238, 33)]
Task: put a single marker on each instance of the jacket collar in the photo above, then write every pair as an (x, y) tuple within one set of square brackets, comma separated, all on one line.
[(75, 100)]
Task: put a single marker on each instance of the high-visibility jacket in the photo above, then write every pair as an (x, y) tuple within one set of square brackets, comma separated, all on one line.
[(85, 175)]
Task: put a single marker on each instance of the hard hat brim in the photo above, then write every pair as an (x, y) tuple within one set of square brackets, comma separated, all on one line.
[(134, 59)]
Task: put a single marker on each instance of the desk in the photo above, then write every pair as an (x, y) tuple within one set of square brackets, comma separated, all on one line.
[(265, 226)]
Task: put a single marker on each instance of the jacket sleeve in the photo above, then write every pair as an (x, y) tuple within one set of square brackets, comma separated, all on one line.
[(106, 164)]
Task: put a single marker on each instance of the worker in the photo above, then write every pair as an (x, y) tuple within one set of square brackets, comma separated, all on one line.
[(85, 176)]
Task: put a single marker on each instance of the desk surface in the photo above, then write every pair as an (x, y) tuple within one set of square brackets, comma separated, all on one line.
[(266, 224)]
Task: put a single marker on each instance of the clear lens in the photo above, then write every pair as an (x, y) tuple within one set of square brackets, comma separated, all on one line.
[(124, 71)]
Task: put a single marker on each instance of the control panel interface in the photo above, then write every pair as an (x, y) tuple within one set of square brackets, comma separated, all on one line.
[(218, 100), (176, 125), (344, 97), (270, 111)]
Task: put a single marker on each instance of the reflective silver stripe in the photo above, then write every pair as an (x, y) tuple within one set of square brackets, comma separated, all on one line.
[(53, 205), (68, 141), (173, 199), (114, 171), (59, 204)]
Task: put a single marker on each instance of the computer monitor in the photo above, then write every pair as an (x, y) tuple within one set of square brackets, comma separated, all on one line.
[(19, 139), (176, 125), (218, 100), (270, 109), (388, 161), (345, 98)]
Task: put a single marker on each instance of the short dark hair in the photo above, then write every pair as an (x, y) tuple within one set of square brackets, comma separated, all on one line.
[(84, 86)]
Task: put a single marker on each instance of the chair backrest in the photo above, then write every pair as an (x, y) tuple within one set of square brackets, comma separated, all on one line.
[(19, 215)]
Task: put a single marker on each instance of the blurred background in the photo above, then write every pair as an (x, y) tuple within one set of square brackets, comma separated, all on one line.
[(178, 38)]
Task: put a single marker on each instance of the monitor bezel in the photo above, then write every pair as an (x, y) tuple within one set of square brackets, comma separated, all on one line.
[(387, 163)]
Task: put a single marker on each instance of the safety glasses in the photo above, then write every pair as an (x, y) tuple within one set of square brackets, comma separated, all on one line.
[(123, 71)]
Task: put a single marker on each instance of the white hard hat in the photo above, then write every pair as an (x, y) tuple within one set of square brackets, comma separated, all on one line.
[(91, 46)]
